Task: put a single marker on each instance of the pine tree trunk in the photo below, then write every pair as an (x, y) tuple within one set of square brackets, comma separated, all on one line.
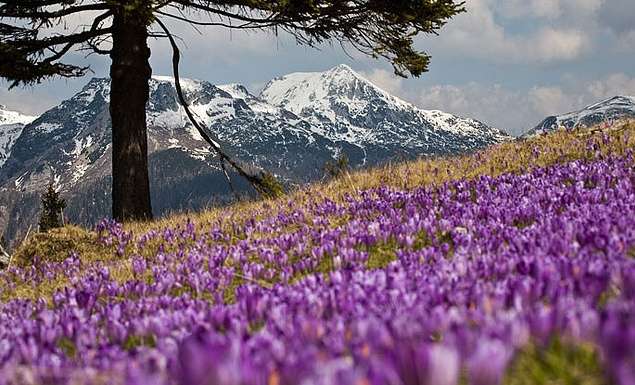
[(130, 73)]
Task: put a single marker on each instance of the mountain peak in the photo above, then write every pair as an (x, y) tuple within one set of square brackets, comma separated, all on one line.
[(617, 99), (340, 113), (342, 69), (311, 90), (236, 90), (170, 79), (96, 83), (364, 113), (342, 77)]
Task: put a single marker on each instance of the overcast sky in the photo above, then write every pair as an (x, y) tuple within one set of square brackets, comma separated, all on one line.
[(508, 63)]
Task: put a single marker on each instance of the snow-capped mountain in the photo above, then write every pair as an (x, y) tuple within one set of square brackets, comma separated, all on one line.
[(345, 106), (292, 129), (69, 144), (617, 107), (11, 124)]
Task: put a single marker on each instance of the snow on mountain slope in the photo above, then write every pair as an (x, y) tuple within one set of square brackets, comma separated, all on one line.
[(9, 133), (298, 122), (11, 124), (364, 114), (235, 117), (617, 107), (236, 90), (69, 145), (13, 117)]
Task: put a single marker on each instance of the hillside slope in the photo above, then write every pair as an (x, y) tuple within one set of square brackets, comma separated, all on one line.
[(510, 266)]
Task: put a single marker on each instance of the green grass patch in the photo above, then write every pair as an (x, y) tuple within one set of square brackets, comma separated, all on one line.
[(67, 346), (523, 223), (382, 254), (445, 238), (559, 363), (422, 240), (133, 342)]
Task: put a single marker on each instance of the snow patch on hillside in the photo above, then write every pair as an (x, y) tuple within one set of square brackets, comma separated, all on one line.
[(11, 125), (608, 108), (9, 133), (47, 128), (13, 117), (237, 91), (187, 85)]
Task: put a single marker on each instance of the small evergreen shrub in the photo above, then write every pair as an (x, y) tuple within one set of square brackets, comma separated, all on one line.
[(51, 214), (271, 186), (337, 167)]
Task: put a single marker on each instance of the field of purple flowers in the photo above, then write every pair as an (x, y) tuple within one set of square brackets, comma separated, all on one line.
[(522, 278)]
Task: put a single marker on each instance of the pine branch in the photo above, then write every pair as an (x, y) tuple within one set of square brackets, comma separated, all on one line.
[(23, 13)]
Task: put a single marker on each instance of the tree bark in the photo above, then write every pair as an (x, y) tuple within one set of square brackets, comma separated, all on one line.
[(130, 73)]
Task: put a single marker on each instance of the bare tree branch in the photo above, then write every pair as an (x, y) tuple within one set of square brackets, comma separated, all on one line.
[(247, 25), (256, 182)]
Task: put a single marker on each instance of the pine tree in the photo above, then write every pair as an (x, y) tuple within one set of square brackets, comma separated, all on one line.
[(51, 214), (34, 43), (338, 167)]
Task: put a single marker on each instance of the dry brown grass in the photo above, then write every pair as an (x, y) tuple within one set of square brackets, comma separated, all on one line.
[(57, 244)]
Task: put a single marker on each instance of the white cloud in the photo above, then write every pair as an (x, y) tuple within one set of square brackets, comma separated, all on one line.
[(216, 43), (626, 41), (492, 104), (30, 100), (547, 100), (533, 8), (482, 33), (553, 44), (618, 15), (548, 9), (385, 80), (615, 84)]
